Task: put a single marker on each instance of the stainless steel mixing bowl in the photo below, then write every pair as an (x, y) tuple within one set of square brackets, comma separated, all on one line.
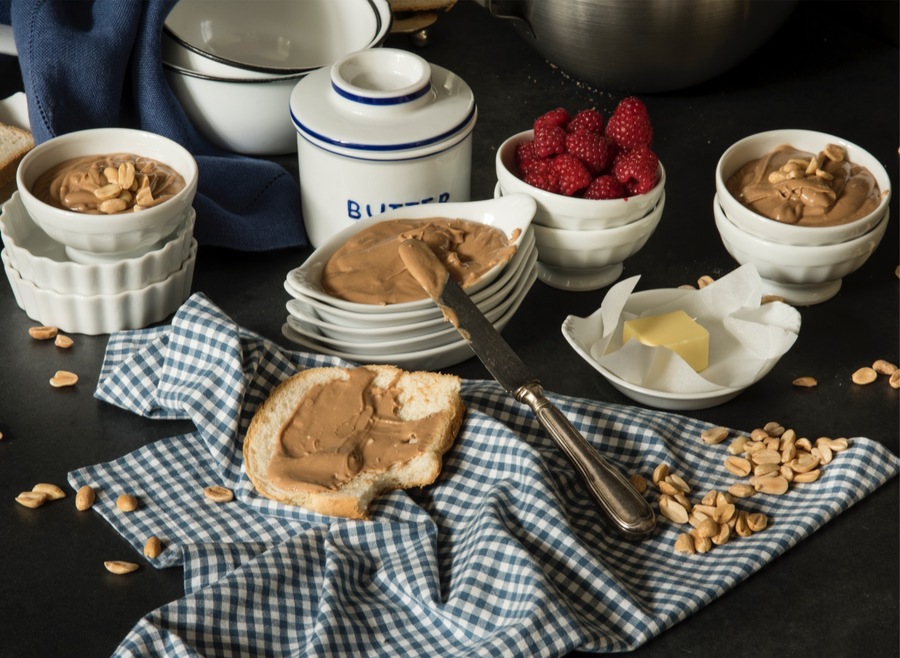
[(644, 45)]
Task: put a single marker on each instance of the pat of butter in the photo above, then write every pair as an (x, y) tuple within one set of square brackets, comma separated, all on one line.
[(675, 331)]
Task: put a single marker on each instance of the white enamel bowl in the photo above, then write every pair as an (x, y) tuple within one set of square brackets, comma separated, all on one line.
[(571, 213), (248, 116), (107, 236), (512, 215), (283, 37), (43, 261), (802, 275), (754, 147)]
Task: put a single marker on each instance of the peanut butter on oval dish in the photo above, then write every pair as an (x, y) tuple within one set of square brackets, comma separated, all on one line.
[(368, 268), (796, 187)]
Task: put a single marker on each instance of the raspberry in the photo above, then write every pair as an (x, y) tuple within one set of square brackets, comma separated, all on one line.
[(573, 175), (590, 120), (549, 140), (594, 150), (525, 155), (604, 187), (557, 118), (540, 174), (629, 126), (637, 170)]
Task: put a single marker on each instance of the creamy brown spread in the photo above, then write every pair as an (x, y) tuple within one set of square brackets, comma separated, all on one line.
[(368, 268), (342, 428), (796, 187), (109, 184)]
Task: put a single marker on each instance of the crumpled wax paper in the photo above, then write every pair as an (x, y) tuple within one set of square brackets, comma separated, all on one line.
[(746, 337)]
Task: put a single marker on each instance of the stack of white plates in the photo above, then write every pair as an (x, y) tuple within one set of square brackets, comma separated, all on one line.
[(412, 335), (94, 297)]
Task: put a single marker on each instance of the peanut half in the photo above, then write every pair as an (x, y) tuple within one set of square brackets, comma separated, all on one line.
[(84, 498)]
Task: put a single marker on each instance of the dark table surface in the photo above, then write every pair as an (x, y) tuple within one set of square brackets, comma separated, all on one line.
[(835, 594)]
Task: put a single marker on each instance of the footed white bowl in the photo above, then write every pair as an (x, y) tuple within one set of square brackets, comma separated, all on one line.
[(802, 275), (107, 236), (754, 147)]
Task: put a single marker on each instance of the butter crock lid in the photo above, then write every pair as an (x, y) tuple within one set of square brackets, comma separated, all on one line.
[(383, 104)]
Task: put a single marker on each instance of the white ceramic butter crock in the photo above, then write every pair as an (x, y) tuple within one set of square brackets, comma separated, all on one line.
[(379, 130)]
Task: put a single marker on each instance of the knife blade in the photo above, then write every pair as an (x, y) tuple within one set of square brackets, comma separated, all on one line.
[(629, 512)]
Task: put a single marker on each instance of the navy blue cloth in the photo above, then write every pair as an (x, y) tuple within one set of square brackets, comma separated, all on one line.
[(96, 63)]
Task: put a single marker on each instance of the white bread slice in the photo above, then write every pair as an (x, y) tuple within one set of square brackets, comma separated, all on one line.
[(421, 394), (15, 142)]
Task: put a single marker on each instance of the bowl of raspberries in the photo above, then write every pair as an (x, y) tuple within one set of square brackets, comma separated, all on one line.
[(585, 171), (598, 186)]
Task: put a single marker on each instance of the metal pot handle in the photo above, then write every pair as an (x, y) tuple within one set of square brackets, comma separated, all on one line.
[(509, 10)]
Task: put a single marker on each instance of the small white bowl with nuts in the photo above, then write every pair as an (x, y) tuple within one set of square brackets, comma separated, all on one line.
[(801, 187), (108, 193)]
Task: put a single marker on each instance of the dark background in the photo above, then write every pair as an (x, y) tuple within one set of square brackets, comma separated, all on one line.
[(832, 67)]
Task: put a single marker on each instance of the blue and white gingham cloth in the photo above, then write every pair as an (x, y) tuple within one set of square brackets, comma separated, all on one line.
[(504, 555)]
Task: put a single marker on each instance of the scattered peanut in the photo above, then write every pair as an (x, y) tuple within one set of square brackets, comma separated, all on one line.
[(704, 281), (218, 494), (639, 483), (120, 567), (883, 367), (63, 342), (714, 435), (43, 333), (152, 547), (52, 491), (32, 499), (63, 378), (127, 503), (84, 498), (894, 381), (864, 376), (805, 382), (768, 299)]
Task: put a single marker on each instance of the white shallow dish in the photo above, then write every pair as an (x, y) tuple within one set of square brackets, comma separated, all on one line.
[(802, 275), (509, 214), (434, 358), (582, 333), (103, 314), (521, 264), (442, 334), (433, 320), (43, 261)]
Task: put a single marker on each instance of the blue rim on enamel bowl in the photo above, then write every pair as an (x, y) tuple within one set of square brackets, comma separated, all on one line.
[(180, 22)]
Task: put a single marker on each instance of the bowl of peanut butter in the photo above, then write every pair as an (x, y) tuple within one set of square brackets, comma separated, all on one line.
[(359, 268), (801, 187), (107, 193)]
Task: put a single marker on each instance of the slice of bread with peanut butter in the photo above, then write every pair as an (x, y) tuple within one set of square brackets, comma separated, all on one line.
[(332, 439)]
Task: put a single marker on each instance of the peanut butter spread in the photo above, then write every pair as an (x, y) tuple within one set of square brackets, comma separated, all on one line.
[(795, 187), (342, 428), (108, 184), (368, 268)]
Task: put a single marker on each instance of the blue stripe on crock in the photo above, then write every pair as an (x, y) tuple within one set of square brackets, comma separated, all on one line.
[(383, 147), (365, 159), (393, 100)]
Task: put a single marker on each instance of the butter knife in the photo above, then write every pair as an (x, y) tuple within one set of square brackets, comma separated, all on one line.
[(629, 512)]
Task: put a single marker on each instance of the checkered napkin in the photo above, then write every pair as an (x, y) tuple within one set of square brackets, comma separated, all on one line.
[(504, 555)]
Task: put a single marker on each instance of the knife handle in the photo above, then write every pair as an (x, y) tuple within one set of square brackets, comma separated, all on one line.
[(628, 510)]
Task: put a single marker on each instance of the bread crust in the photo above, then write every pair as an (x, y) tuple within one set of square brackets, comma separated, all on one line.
[(421, 393), (15, 142)]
